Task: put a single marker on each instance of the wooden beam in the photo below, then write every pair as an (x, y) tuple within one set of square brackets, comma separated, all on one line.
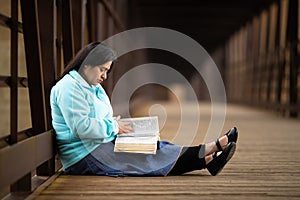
[(48, 48), (273, 17), (117, 21), (292, 37), (33, 151), (261, 68), (14, 72), (92, 21), (24, 183), (67, 31), (283, 11), (6, 22), (78, 18), (59, 62), (34, 65), (48, 55), (5, 81), (102, 25), (24, 134), (255, 47)]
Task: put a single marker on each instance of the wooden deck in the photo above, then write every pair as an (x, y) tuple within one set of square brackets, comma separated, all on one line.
[(266, 165)]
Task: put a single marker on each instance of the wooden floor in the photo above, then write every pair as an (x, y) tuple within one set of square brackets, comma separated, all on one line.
[(266, 165)]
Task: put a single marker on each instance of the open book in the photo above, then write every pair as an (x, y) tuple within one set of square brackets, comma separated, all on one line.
[(143, 138)]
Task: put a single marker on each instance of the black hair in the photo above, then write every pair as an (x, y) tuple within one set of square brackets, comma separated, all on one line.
[(93, 54)]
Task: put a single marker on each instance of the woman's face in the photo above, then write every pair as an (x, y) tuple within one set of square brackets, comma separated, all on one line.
[(97, 74)]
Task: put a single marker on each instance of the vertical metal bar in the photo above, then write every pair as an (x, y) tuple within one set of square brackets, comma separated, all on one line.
[(67, 31), (14, 72)]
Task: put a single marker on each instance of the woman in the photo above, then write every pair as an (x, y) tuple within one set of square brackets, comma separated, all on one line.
[(85, 128)]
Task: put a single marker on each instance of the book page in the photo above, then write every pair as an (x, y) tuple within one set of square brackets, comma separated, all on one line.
[(146, 145), (142, 126)]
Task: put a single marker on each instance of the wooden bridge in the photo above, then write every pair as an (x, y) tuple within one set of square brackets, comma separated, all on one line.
[(254, 43), (266, 165)]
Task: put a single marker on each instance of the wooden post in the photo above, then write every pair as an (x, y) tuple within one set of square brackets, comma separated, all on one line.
[(35, 79), (78, 19), (292, 37), (59, 65), (255, 42), (281, 49), (261, 68), (93, 18), (14, 73), (34, 65), (48, 54), (272, 50), (67, 31)]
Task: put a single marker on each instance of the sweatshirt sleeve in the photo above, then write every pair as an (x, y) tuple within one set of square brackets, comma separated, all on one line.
[(76, 111)]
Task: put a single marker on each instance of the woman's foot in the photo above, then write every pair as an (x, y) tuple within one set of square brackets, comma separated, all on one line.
[(230, 136), (221, 143), (215, 163)]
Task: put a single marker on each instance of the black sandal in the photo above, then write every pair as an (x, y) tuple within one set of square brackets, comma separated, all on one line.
[(232, 136), (217, 164)]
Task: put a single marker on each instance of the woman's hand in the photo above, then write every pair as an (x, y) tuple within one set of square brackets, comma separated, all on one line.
[(124, 127)]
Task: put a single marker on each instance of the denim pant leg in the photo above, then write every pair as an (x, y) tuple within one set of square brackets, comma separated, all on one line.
[(90, 166), (80, 168)]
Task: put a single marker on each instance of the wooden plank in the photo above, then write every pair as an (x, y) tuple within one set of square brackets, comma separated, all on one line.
[(34, 151)]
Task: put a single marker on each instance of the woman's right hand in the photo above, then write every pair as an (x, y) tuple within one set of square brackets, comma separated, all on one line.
[(124, 127)]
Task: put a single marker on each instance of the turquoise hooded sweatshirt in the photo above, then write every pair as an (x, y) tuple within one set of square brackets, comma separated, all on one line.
[(82, 118)]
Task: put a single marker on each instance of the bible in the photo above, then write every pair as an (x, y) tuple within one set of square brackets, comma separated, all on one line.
[(143, 138)]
